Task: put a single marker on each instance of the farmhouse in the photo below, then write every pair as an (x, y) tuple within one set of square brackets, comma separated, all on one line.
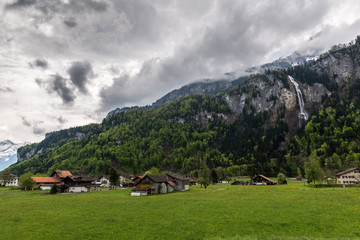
[(45, 183), (262, 180), (153, 184), (182, 183), (125, 180), (9, 180), (349, 176), (75, 184), (104, 180)]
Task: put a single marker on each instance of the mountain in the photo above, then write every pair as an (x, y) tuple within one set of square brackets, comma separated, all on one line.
[(292, 60), (270, 123), (8, 153), (120, 110), (207, 86)]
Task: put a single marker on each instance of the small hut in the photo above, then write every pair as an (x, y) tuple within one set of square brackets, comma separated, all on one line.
[(262, 180)]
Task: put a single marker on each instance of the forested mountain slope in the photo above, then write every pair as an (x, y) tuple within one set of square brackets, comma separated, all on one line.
[(251, 126)]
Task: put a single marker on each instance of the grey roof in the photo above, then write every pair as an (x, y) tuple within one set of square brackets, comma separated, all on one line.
[(177, 176), (159, 178), (347, 171), (81, 178)]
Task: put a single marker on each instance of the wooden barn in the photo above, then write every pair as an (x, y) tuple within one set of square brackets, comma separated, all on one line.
[(262, 180), (181, 182), (75, 184), (153, 184)]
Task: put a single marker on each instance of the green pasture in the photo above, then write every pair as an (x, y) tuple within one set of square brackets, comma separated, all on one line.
[(222, 211)]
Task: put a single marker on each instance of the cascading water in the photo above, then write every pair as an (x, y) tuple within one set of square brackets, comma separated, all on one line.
[(302, 114)]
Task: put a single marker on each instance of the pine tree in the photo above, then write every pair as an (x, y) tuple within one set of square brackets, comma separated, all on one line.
[(114, 178), (214, 177)]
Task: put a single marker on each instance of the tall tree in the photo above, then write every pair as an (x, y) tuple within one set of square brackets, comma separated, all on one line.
[(26, 181), (313, 171), (214, 177), (114, 178)]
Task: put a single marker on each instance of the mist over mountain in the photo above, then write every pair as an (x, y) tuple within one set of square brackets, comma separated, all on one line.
[(269, 123)]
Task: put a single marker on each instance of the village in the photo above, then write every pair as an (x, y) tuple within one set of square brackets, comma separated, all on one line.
[(62, 181)]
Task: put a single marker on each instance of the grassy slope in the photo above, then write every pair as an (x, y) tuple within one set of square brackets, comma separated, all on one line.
[(221, 211)]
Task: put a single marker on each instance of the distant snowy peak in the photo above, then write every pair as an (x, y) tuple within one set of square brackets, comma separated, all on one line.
[(8, 153), (294, 59)]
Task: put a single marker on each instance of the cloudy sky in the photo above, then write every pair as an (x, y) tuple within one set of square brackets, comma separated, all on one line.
[(66, 63)]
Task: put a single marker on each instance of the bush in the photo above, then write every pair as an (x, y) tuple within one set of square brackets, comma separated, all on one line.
[(281, 178), (54, 189)]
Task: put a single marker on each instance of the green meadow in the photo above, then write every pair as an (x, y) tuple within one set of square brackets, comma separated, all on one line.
[(222, 211)]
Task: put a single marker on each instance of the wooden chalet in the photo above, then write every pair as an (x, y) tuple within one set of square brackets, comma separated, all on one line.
[(104, 180), (262, 180), (153, 184), (45, 183), (181, 182), (75, 184)]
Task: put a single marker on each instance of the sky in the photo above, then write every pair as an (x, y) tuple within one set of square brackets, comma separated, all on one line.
[(67, 63)]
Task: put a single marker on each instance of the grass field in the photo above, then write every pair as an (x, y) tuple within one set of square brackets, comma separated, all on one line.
[(222, 211)]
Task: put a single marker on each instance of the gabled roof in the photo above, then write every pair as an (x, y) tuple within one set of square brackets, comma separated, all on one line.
[(268, 179), (159, 178), (137, 177), (79, 179), (177, 176), (62, 174), (104, 176), (155, 179), (347, 171), (45, 180)]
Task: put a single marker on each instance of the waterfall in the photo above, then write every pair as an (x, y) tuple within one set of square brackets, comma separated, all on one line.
[(302, 114)]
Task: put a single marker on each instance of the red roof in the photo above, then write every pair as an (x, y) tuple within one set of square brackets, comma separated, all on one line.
[(171, 183), (45, 180), (63, 174), (265, 178)]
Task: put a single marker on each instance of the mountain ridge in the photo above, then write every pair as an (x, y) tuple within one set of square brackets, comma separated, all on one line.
[(253, 126)]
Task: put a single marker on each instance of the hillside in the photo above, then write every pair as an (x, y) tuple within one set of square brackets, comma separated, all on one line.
[(249, 128)]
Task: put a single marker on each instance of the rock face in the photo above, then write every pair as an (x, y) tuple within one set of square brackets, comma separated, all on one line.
[(266, 93)]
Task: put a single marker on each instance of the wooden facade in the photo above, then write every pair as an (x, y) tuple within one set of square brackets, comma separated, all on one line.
[(155, 184), (262, 180)]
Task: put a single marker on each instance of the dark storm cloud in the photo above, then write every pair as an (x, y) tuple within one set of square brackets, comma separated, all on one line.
[(41, 63), (21, 3), (25, 121), (6, 89), (38, 130), (57, 84), (61, 120), (71, 22), (33, 125), (80, 72)]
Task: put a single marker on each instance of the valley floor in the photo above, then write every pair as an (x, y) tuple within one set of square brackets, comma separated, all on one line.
[(222, 211)]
